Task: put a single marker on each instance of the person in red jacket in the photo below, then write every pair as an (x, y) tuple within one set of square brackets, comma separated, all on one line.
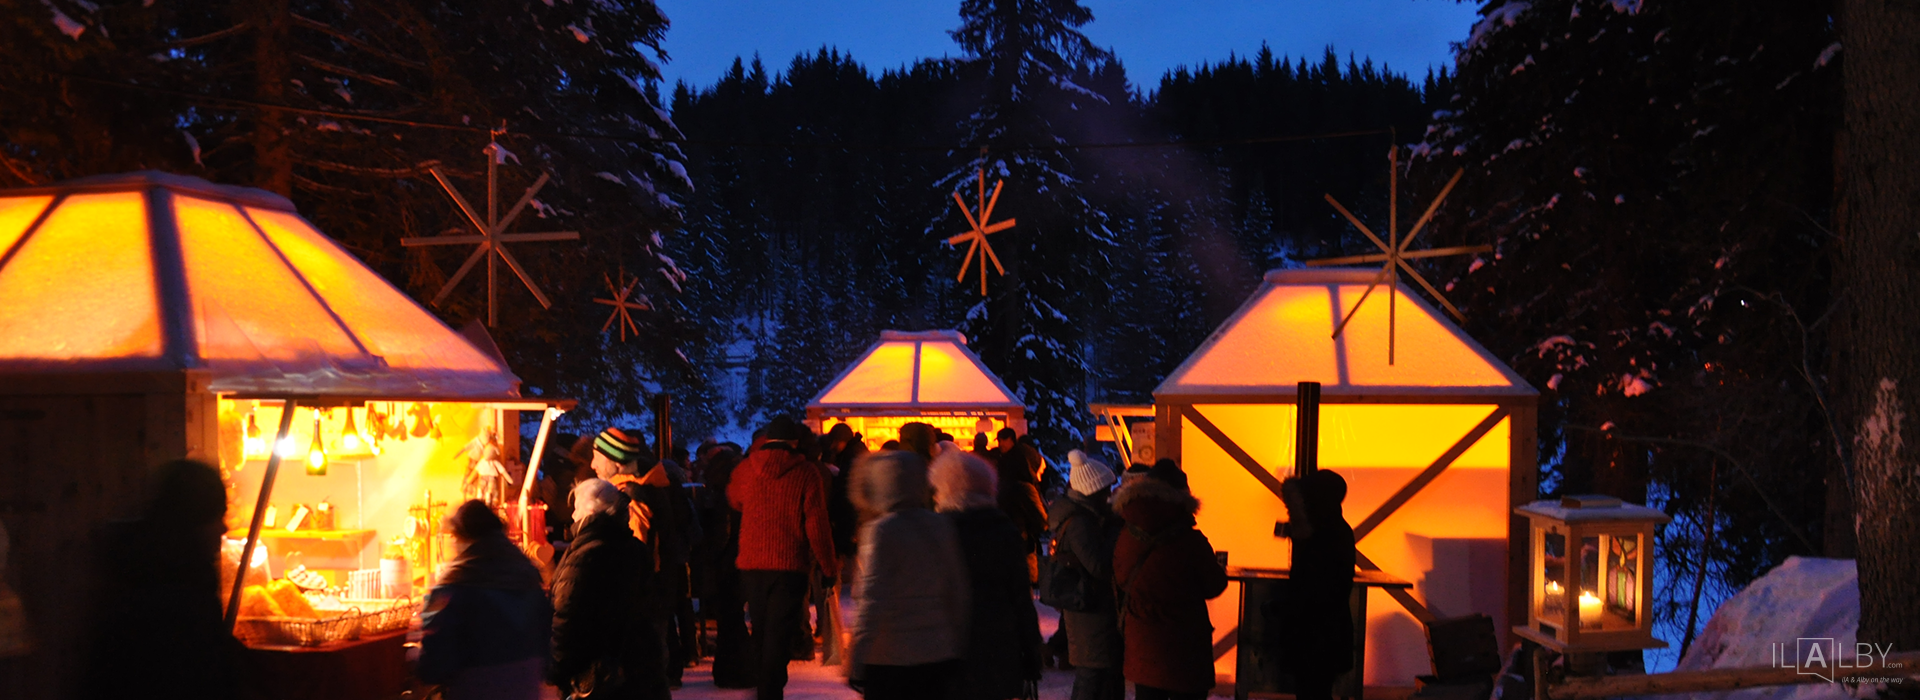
[(1164, 573), (785, 536)]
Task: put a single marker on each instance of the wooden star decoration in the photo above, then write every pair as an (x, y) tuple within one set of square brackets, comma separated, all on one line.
[(978, 236), (493, 236), (1394, 253), (621, 305)]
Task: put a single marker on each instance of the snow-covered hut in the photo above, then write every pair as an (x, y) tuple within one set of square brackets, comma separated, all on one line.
[(927, 376), (1437, 448)]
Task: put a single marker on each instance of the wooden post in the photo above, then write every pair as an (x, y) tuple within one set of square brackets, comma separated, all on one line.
[(259, 511), (663, 427)]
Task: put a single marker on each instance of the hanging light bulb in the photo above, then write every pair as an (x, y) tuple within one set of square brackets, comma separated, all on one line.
[(354, 444), (253, 445), (317, 454)]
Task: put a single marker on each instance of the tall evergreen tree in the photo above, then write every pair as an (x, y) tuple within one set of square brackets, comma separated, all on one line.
[(1031, 62)]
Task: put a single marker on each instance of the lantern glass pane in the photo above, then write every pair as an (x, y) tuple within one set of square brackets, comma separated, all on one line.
[(1623, 576), (1553, 577)]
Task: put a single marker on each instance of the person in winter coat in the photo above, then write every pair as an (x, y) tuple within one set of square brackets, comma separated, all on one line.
[(733, 661), (909, 621), (160, 629), (1084, 533), (1317, 624), (1003, 641), (1165, 573), (602, 646), (1019, 496), (486, 625), (919, 438), (784, 535)]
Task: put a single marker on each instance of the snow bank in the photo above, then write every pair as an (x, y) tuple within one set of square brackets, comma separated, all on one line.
[(1805, 597)]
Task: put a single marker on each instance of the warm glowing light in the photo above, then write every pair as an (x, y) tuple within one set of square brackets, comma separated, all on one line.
[(316, 455), (1589, 609), (81, 285), (253, 445), (1555, 587)]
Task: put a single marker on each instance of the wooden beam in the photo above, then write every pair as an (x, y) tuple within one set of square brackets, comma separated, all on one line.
[(1905, 664), (1401, 595), (1233, 450), (1432, 472), (1226, 643)]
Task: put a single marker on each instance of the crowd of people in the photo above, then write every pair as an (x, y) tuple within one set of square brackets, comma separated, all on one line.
[(938, 546)]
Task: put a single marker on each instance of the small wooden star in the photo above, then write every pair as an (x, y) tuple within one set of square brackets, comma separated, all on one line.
[(493, 235), (978, 236), (1393, 251), (621, 306)]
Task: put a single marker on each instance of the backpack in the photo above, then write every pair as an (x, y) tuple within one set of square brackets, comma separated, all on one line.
[(1063, 583)]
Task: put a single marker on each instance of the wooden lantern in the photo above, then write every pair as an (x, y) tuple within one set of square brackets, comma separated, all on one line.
[(1591, 574)]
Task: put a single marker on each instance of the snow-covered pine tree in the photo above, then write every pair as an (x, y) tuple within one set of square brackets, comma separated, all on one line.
[(1030, 59)]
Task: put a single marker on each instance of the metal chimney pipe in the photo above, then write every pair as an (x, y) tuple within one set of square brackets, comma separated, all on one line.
[(1306, 439)]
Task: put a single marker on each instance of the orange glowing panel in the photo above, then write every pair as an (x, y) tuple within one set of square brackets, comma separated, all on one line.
[(1285, 335), (1449, 540), (884, 376), (16, 214), (1281, 340), (249, 304), (1364, 435), (390, 324), (947, 375), (82, 286), (1429, 354)]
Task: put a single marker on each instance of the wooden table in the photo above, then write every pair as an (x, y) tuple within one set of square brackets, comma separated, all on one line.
[(1260, 663), (368, 668)]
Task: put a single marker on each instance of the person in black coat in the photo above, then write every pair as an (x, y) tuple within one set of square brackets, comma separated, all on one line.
[(159, 627), (1317, 624), (487, 624), (1002, 658), (1085, 530), (602, 644)]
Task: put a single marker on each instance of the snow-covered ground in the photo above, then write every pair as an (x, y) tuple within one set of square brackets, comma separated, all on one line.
[(1803, 601)]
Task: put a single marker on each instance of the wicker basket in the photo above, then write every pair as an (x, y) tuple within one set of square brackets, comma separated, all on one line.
[(298, 631), (386, 615)]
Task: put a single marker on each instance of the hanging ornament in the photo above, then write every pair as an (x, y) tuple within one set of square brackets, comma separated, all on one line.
[(977, 237), (1394, 253), (492, 234), (419, 420), (621, 294), (316, 454)]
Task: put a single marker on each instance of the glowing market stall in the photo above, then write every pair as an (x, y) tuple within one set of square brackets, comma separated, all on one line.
[(1437, 446), (929, 377), (146, 317)]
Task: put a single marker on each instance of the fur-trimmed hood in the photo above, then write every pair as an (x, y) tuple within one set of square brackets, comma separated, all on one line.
[(1151, 504)]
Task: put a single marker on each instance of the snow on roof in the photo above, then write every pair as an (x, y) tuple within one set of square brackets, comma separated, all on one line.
[(1283, 335), (151, 271), (928, 369)]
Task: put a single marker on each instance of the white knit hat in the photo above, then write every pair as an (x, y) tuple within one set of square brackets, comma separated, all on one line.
[(1088, 475)]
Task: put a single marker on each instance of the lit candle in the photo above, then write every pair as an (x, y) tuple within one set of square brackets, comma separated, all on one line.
[(1589, 609)]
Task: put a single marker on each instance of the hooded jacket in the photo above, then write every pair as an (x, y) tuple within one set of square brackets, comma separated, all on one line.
[(486, 625), (782, 501), (601, 645), (1084, 533), (1164, 573), (911, 604)]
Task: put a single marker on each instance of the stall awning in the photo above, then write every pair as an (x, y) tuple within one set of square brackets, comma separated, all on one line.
[(917, 371), (1283, 335), (151, 271)]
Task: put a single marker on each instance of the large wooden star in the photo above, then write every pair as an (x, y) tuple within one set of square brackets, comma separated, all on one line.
[(621, 306), (978, 236), (1394, 253), (493, 236)]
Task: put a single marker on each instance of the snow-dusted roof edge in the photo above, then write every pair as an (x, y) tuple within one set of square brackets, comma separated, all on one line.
[(956, 337)]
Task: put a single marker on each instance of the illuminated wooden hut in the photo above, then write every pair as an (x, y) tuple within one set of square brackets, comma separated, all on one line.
[(929, 377), (1437, 449), (148, 317)]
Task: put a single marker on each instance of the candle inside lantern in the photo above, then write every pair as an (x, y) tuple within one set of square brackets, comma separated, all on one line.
[(1589, 610)]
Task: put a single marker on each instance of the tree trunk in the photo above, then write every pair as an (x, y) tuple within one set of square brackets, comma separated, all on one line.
[(1877, 356), (272, 66)]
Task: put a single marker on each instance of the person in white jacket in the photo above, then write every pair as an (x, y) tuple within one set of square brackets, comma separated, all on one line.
[(909, 625)]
